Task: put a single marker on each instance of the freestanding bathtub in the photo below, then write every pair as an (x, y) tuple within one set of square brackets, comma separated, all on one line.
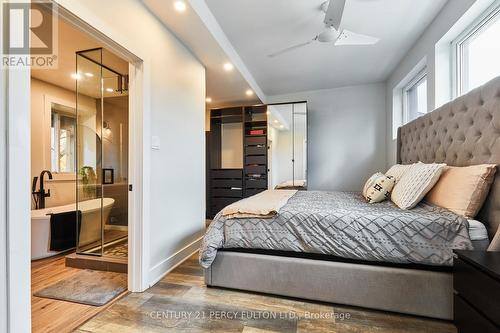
[(90, 229)]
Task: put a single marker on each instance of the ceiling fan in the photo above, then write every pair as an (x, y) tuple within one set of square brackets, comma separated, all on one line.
[(334, 10)]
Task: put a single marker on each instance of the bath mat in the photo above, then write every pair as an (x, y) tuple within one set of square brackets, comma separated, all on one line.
[(87, 287)]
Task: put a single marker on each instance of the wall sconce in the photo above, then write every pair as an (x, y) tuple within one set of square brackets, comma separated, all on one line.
[(107, 129)]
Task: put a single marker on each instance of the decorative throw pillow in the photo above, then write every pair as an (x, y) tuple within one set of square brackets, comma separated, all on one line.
[(415, 183), (397, 171), (378, 188), (463, 190)]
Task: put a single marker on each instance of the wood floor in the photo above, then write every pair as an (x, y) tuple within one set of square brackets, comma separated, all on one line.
[(180, 302), (52, 315)]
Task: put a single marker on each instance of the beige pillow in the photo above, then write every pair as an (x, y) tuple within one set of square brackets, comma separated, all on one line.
[(397, 171), (415, 183), (378, 188), (463, 189)]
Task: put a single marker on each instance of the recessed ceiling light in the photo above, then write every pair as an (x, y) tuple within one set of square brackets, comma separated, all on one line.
[(275, 121), (281, 126), (180, 6), (268, 112), (249, 92), (89, 74), (228, 66), (109, 90), (76, 76), (208, 100)]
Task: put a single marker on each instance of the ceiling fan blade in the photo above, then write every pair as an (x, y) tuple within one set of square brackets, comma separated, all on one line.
[(334, 13), (351, 38), (291, 48)]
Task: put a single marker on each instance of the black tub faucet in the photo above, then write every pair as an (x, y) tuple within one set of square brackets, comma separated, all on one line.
[(41, 192)]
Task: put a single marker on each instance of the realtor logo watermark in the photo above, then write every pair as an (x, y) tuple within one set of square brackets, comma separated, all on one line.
[(29, 34)]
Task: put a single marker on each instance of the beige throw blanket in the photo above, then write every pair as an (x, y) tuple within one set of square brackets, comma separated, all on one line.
[(263, 205), (291, 183)]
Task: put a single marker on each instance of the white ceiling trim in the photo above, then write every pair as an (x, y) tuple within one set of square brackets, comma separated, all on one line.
[(201, 8)]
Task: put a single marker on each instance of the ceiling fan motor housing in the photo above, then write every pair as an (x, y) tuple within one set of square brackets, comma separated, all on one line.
[(328, 36)]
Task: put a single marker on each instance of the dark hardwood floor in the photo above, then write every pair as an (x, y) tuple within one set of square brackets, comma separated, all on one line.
[(181, 302)]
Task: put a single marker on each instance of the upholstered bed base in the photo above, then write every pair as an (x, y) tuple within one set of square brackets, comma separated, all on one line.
[(410, 291)]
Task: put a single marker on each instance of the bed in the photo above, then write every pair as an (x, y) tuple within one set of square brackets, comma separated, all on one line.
[(344, 225), (391, 266)]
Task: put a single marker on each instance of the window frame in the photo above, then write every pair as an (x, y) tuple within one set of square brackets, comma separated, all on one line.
[(485, 20), (57, 136), (418, 78)]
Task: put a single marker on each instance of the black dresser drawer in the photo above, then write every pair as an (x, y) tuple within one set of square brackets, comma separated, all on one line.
[(226, 174), (468, 320), (250, 192), (228, 193), (255, 160), (215, 209), (255, 140), (227, 183), (256, 184), (256, 169), (223, 202), (256, 150), (477, 288)]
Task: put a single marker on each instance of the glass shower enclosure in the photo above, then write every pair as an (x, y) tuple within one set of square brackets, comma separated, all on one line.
[(94, 80)]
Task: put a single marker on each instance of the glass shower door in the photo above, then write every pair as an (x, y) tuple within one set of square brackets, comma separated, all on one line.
[(89, 111)]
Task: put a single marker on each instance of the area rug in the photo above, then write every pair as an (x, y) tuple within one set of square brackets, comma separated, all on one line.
[(87, 287)]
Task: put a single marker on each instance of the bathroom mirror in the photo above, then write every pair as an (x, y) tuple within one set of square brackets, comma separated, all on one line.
[(62, 138)]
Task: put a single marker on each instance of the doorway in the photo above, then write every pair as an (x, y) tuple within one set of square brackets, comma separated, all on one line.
[(81, 138)]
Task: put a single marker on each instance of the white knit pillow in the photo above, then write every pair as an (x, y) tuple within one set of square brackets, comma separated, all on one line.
[(378, 188), (397, 171), (415, 183)]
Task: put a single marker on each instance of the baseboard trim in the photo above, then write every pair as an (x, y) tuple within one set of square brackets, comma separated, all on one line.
[(166, 266)]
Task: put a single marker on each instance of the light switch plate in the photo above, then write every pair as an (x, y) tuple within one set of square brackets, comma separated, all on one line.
[(155, 142)]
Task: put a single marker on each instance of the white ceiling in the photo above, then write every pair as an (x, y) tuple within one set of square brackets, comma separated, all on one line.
[(223, 87), (257, 28)]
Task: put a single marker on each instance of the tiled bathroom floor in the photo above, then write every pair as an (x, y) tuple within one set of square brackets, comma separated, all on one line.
[(118, 250)]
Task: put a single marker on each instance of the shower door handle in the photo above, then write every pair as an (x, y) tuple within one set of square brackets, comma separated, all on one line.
[(130, 188)]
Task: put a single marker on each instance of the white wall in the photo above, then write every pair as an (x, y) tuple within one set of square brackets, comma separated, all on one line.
[(346, 135), (174, 94), (434, 49)]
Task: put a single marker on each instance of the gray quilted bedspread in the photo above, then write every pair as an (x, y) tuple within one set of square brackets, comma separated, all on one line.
[(344, 225)]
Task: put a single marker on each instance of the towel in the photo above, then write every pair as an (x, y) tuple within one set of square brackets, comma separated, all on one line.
[(263, 205), (63, 230)]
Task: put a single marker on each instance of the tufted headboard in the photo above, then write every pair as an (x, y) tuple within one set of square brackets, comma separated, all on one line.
[(463, 132)]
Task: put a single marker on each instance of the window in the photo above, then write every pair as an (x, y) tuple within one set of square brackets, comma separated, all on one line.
[(477, 52), (415, 98), (63, 141)]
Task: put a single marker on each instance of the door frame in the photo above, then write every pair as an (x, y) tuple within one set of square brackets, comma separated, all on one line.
[(137, 269), (15, 173)]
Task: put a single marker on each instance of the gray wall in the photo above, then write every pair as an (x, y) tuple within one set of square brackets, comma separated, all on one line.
[(347, 133)]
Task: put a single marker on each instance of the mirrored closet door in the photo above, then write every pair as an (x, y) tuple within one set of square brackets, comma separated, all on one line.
[(287, 142)]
